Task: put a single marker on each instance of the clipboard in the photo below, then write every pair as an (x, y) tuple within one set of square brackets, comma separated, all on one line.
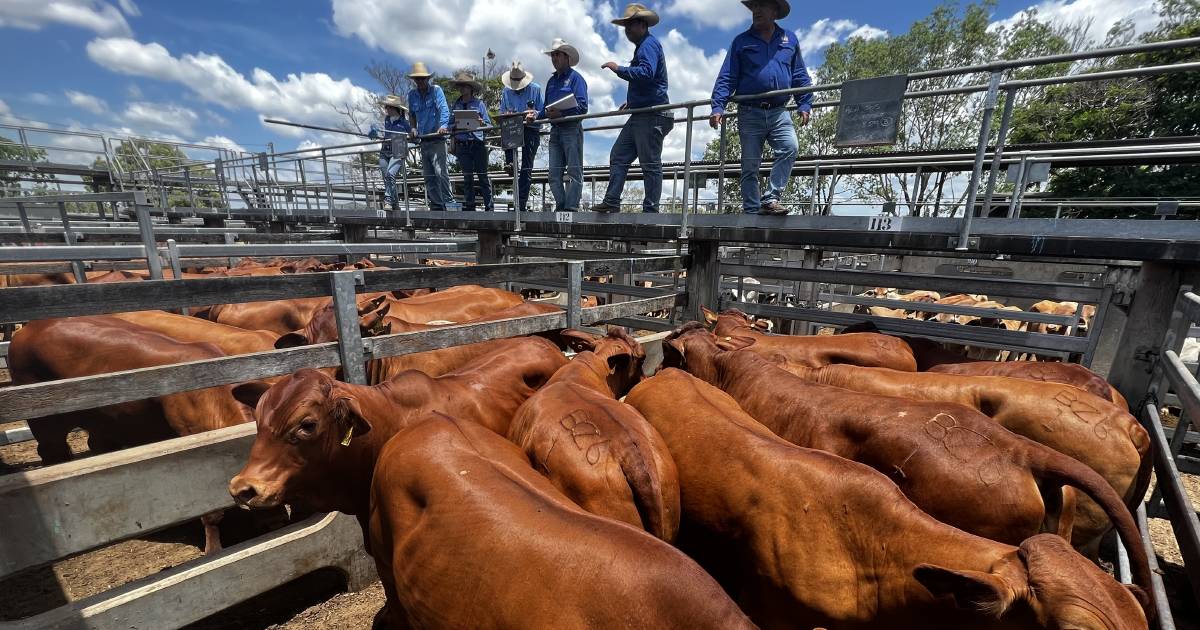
[(466, 120), (564, 103)]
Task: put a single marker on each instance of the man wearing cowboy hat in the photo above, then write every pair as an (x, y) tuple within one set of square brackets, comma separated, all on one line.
[(566, 138), (763, 59), (469, 146), (642, 136), (431, 115), (390, 162), (522, 95)]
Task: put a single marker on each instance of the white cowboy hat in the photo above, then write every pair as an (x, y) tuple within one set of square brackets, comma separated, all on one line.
[(637, 11), (391, 100), (466, 78), (516, 79), (784, 7), (419, 71), (561, 45)]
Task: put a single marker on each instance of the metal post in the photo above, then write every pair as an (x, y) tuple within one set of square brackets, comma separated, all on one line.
[(829, 198), (100, 210), (816, 184), (219, 169), (404, 185), (684, 232), (362, 169), (187, 180), (304, 185), (721, 169), (914, 208), (69, 237), (229, 240), (574, 292), (985, 130), (146, 228), (25, 144), (24, 218), (516, 186), (350, 344), (1014, 203), (1010, 96), (328, 185)]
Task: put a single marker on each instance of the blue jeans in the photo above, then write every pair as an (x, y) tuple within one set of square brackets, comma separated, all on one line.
[(388, 168), (566, 153), (473, 160), (437, 175), (775, 127), (533, 140), (641, 138)]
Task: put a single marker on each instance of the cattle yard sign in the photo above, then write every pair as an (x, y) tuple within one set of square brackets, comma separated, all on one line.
[(869, 114)]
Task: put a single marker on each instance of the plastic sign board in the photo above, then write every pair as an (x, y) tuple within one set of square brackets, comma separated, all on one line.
[(512, 131), (870, 111), (564, 217)]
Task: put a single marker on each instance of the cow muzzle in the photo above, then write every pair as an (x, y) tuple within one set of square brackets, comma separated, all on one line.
[(252, 494)]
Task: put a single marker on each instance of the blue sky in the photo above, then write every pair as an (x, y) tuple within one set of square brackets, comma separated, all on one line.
[(209, 71)]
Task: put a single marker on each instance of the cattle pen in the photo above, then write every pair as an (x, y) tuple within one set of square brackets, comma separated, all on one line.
[(1132, 283)]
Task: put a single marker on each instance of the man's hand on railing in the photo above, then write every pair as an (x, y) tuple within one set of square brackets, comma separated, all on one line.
[(714, 120), (804, 118), (530, 115), (442, 130)]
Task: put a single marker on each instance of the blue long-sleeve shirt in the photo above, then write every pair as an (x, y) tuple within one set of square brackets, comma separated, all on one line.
[(754, 66), (398, 124), (473, 104), (646, 74), (561, 84), (430, 109), (528, 97)]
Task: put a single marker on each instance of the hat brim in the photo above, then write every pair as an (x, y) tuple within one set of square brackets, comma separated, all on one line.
[(420, 75), (393, 104), (569, 51), (519, 85), (475, 85), (649, 17), (784, 7)]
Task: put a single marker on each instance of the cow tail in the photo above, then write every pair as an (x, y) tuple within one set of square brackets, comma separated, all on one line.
[(1050, 465), (645, 482)]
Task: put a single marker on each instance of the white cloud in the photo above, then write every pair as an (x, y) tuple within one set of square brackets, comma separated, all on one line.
[(1099, 15), (307, 97), (866, 31), (40, 98), (94, 15), (129, 8), (4, 109), (825, 31), (722, 14), (161, 116), (93, 104), (216, 118), (225, 143)]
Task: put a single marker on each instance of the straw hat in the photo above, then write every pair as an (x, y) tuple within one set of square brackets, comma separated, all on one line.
[(391, 100), (561, 45), (419, 71), (466, 78), (516, 79), (784, 7), (637, 11)]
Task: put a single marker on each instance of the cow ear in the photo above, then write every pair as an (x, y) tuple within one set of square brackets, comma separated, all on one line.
[(619, 362), (710, 317), (673, 353), (291, 340), (371, 304), (578, 340), (971, 590), (348, 413), (762, 324), (369, 323), (249, 392), (734, 343)]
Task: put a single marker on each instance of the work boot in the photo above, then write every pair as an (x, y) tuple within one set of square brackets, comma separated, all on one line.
[(773, 208), (604, 207)]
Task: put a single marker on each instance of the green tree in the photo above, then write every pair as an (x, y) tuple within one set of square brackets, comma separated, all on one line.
[(10, 179), (159, 168), (1143, 107)]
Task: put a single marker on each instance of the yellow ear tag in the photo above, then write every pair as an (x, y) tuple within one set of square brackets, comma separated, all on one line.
[(349, 434), (729, 339)]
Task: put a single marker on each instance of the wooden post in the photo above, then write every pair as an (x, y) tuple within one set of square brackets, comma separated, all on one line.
[(574, 292), (490, 248), (703, 277), (1147, 322), (214, 222), (350, 344)]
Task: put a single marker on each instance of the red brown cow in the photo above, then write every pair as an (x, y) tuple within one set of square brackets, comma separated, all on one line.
[(55, 349), (389, 325), (318, 439), (869, 349), (952, 461), (805, 539), (598, 451), (466, 535), (230, 339), (434, 362), (1069, 420), (277, 316)]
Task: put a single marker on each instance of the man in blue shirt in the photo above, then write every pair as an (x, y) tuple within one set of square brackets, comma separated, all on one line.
[(642, 136), (566, 138), (469, 146), (394, 149), (763, 59), (522, 96), (431, 115)]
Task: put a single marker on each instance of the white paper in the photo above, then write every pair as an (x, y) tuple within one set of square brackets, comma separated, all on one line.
[(466, 120), (565, 103)]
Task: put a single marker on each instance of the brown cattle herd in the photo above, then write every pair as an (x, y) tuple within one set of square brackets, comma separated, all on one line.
[(755, 480)]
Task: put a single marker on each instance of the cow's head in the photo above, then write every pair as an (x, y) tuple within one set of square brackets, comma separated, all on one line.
[(1048, 581), (322, 328), (305, 424), (620, 352), (692, 347)]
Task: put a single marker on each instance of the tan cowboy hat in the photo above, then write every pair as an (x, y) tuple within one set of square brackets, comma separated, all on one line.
[(635, 11), (561, 45), (391, 100), (784, 7), (419, 71), (516, 79), (466, 78)]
